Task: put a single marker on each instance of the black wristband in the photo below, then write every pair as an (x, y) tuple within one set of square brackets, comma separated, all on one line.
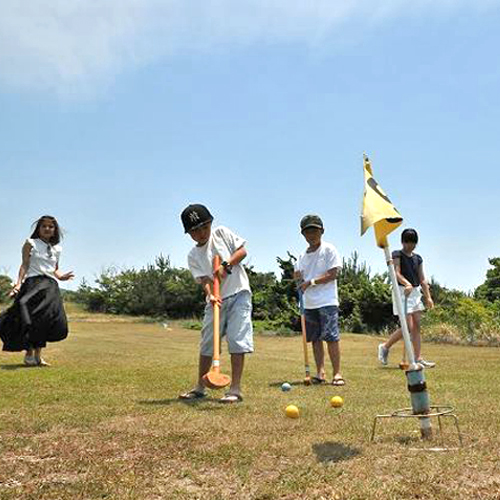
[(228, 267)]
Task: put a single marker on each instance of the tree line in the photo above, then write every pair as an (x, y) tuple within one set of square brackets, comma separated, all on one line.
[(160, 290)]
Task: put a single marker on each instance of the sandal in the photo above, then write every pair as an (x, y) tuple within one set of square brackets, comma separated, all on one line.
[(338, 381), (317, 380), (231, 398), (192, 395)]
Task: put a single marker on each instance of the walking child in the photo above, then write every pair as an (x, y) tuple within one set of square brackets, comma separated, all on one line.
[(37, 315), (317, 269), (235, 296), (412, 282)]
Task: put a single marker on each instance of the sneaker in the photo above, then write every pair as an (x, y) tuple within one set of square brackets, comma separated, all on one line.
[(426, 364), (30, 360), (383, 354)]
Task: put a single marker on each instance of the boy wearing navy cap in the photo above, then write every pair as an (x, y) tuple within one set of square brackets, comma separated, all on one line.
[(235, 296)]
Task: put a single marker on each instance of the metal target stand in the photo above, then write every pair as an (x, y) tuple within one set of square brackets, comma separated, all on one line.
[(436, 411)]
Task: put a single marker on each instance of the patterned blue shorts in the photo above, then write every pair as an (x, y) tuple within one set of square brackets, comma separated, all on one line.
[(322, 324)]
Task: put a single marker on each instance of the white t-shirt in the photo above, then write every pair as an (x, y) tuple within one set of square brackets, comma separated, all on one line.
[(222, 242), (313, 265), (44, 258)]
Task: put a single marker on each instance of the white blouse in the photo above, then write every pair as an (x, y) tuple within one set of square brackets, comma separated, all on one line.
[(44, 258)]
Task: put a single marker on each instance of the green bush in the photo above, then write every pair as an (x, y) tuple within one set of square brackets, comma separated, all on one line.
[(5, 288), (156, 290), (490, 289), (365, 301), (463, 320), (275, 301), (160, 290), (192, 324)]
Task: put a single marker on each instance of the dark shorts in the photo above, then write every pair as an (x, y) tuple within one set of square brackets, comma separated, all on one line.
[(322, 324)]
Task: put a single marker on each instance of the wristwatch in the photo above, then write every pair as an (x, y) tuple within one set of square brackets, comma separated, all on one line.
[(228, 267)]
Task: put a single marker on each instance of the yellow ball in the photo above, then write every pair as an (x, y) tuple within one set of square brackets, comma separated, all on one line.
[(292, 411), (337, 402)]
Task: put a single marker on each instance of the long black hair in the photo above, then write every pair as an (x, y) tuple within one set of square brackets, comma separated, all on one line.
[(57, 231)]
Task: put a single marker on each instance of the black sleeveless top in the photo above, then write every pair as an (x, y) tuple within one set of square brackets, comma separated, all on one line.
[(409, 266)]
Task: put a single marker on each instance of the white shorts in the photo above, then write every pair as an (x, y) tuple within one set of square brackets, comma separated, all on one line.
[(413, 301), (235, 325)]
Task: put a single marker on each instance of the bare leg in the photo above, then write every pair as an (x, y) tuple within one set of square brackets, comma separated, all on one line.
[(397, 335), (414, 325), (203, 367), (237, 363), (334, 353), (29, 359), (319, 357)]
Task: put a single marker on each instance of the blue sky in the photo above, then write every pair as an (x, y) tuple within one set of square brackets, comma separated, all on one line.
[(114, 115)]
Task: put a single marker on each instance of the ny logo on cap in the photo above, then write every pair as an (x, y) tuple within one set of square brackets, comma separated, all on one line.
[(194, 216)]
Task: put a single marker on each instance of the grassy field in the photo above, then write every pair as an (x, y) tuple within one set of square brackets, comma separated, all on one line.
[(104, 422)]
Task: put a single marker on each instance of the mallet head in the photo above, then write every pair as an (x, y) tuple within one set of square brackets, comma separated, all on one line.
[(215, 380)]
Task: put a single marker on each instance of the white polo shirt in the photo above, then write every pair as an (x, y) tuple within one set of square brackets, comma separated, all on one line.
[(222, 242), (313, 265)]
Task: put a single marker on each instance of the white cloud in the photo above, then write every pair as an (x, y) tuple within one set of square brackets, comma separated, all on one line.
[(70, 46)]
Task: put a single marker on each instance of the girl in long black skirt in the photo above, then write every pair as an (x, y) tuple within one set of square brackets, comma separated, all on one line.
[(37, 315)]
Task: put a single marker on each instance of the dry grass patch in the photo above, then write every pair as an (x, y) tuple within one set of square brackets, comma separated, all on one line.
[(105, 422)]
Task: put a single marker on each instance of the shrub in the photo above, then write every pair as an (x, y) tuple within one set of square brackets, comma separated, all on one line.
[(5, 288), (463, 320), (490, 289), (156, 290), (365, 301)]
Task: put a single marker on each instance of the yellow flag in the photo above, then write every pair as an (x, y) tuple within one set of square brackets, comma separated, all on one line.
[(378, 211)]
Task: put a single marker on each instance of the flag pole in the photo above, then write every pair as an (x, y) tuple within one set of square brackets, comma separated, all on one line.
[(379, 212), (420, 401)]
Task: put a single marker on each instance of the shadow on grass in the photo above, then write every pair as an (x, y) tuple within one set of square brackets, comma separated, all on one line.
[(16, 367), (406, 440), (296, 383), (200, 404), (334, 452)]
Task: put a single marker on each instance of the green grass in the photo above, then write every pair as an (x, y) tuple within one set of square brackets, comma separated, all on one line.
[(104, 422)]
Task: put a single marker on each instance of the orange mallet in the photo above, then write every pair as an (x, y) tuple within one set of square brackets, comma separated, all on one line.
[(404, 365), (214, 379), (307, 379)]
